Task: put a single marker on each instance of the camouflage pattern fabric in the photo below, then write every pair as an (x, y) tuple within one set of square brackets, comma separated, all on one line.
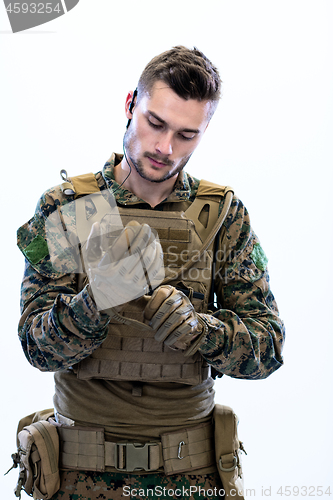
[(60, 324), (107, 486)]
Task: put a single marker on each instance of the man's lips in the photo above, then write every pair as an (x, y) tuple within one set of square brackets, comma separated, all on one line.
[(156, 163)]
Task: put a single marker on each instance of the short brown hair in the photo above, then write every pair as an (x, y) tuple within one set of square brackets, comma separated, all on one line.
[(188, 72)]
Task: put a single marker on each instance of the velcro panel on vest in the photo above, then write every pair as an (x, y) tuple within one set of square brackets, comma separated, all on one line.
[(176, 233), (82, 448), (84, 184), (188, 449)]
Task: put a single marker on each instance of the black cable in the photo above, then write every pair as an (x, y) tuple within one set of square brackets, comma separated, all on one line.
[(127, 176)]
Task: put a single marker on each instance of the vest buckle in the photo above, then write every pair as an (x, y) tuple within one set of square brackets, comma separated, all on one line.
[(132, 456)]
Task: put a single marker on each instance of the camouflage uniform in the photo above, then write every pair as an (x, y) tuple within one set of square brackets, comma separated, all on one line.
[(106, 486), (61, 325)]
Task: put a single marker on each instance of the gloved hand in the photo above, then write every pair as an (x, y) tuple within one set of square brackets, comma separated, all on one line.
[(171, 313), (125, 270)]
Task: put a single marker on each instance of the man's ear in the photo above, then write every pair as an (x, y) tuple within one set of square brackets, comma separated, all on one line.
[(130, 103)]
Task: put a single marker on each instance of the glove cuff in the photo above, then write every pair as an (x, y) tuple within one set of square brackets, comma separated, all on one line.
[(199, 340)]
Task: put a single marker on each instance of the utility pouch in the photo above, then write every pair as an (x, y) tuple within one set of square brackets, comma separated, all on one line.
[(37, 456), (227, 452)]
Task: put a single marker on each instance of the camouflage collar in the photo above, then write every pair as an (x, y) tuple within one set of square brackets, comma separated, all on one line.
[(185, 187)]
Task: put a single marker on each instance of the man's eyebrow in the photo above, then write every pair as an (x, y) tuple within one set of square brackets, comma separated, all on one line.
[(191, 130)]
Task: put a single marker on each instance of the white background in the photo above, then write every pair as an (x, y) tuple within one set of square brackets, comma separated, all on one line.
[(63, 87)]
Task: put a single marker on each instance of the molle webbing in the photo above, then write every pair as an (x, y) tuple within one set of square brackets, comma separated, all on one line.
[(185, 450), (132, 354), (134, 357)]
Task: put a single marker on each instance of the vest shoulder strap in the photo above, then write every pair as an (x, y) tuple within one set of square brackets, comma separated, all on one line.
[(81, 184), (208, 198), (207, 188)]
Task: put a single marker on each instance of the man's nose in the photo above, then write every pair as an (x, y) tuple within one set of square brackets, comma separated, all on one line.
[(164, 144)]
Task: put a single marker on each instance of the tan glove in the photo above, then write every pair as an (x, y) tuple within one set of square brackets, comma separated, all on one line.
[(172, 315), (125, 270)]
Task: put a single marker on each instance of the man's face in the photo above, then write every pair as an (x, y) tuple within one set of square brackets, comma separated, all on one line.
[(164, 131)]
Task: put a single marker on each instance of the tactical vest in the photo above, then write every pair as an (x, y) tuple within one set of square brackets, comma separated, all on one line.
[(130, 353)]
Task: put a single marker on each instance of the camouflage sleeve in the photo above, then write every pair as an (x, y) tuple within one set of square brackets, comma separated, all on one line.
[(246, 335), (60, 324)]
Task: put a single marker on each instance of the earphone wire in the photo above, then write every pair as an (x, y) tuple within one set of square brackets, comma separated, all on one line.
[(129, 173), (135, 93)]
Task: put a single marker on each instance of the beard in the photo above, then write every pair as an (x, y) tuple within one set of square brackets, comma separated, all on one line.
[(129, 147)]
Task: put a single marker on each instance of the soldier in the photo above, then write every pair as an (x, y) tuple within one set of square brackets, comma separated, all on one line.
[(123, 268)]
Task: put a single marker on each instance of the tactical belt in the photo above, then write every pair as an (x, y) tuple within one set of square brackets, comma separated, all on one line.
[(83, 448)]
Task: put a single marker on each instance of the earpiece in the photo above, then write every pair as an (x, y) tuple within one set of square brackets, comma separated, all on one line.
[(135, 93)]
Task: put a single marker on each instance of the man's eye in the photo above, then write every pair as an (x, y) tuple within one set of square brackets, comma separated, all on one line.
[(154, 125), (186, 138)]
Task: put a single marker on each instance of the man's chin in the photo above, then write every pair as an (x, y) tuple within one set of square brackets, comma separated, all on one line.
[(155, 175), (156, 180)]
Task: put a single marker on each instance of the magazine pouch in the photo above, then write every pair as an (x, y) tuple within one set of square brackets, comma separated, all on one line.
[(227, 452), (37, 457)]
